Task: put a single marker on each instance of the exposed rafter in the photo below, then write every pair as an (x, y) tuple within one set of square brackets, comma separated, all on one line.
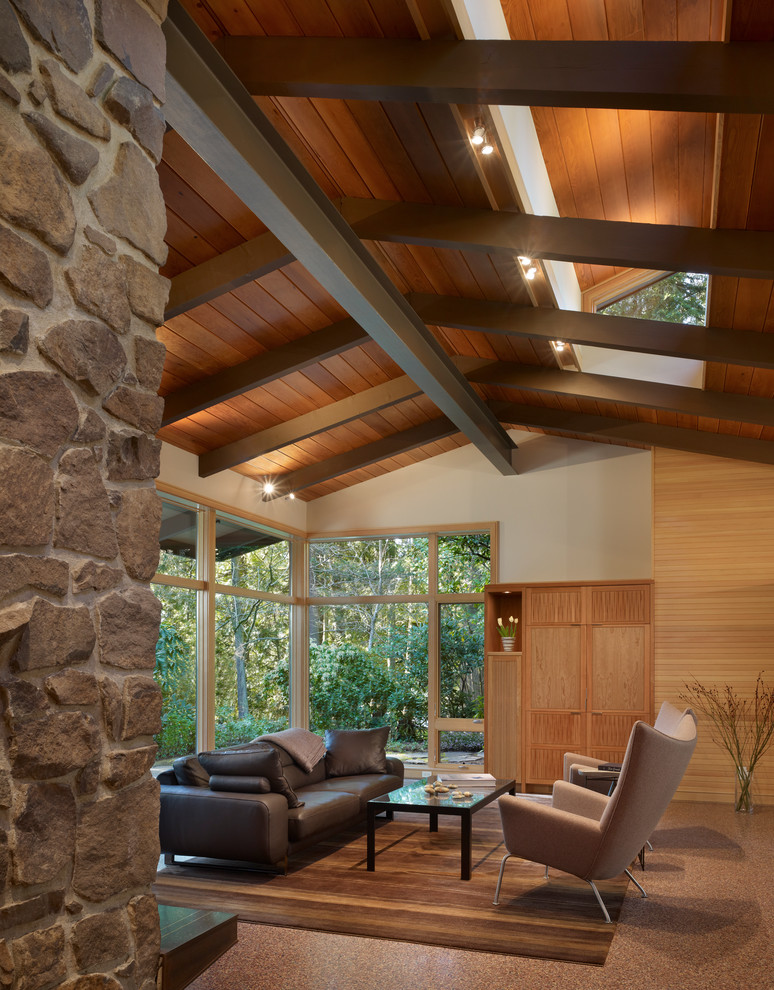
[(631, 431), (215, 115), (360, 457), (653, 395), (263, 369), (741, 253), (308, 425), (640, 75), (618, 332)]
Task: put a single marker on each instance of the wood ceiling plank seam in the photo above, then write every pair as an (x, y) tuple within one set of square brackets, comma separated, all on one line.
[(226, 330), (314, 19), (200, 335), (294, 302), (588, 21), (311, 288), (607, 154), (713, 129), (741, 136), (201, 216), (355, 145), (638, 161), (669, 175), (194, 348), (693, 190), (550, 141), (260, 300), (761, 209), (187, 164), (752, 298), (628, 24), (456, 151), (409, 124), (551, 21), (345, 373), (263, 333), (355, 19), (186, 241), (236, 17), (373, 120), (573, 127), (394, 20), (326, 149)]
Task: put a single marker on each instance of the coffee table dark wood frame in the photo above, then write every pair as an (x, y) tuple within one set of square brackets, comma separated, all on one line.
[(435, 807)]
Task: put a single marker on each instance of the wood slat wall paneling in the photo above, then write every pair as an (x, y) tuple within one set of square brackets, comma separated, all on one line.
[(713, 566)]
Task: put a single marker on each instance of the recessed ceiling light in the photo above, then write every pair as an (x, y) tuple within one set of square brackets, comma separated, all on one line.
[(478, 136)]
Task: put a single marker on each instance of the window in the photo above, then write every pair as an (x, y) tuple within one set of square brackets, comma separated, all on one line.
[(223, 654), (677, 298), (396, 637)]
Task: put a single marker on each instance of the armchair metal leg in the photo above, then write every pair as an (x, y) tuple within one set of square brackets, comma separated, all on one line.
[(546, 873), (599, 899), (500, 879), (636, 883)]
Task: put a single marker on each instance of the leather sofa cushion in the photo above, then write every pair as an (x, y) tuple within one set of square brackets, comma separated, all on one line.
[(322, 809), (252, 760), (355, 751), (190, 773), (240, 785), (364, 787), (294, 775)]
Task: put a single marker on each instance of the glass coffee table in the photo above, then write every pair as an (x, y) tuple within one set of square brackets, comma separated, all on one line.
[(414, 797)]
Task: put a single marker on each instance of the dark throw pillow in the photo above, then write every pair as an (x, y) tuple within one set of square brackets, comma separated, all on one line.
[(190, 772), (354, 751), (240, 785), (254, 760)]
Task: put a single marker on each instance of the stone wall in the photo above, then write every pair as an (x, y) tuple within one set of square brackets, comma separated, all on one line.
[(82, 225)]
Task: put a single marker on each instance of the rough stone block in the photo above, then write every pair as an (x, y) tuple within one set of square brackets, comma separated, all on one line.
[(130, 204), (98, 285), (133, 456), (37, 410), (30, 910), (92, 429), (146, 929), (76, 158), (112, 707), (130, 33), (128, 625), (40, 958), (102, 79), (141, 409), (149, 362), (14, 50), (6, 965), (125, 766), (33, 193), (26, 499), (13, 622), (93, 981), (99, 940), (44, 832), (23, 700), (131, 104), (87, 779), (148, 291), (10, 93), (83, 519), (137, 525), (96, 236), (25, 268), (73, 687), (142, 707), (54, 745), (63, 27), (87, 352), (72, 103), (14, 331), (91, 576), (20, 571), (117, 843), (55, 636)]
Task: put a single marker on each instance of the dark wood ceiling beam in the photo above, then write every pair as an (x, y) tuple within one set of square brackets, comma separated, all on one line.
[(653, 395), (621, 333), (318, 421), (267, 367), (227, 271), (630, 431), (622, 244), (360, 457), (733, 77), (219, 120)]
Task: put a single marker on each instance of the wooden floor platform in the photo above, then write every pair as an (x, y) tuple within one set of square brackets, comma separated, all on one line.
[(191, 940)]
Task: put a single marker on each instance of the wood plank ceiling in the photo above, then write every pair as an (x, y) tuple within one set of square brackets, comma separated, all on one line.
[(318, 376)]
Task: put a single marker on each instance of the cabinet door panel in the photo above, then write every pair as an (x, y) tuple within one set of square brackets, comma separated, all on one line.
[(611, 731), (556, 667), (556, 729), (619, 668), (620, 603), (554, 605), (502, 721), (545, 765)]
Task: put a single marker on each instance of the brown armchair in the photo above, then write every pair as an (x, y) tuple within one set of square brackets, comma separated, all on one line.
[(595, 837)]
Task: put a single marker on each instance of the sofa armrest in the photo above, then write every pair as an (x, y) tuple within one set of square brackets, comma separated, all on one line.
[(167, 777), (196, 821), (395, 767)]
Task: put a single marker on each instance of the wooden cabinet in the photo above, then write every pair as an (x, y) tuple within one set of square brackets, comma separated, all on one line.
[(586, 673), (502, 724)]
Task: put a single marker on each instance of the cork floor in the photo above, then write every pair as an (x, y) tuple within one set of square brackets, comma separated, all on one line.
[(707, 923)]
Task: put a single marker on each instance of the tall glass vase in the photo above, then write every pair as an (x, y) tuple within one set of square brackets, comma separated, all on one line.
[(744, 795)]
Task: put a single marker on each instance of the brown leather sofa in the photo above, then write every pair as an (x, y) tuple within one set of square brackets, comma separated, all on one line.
[(255, 804)]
